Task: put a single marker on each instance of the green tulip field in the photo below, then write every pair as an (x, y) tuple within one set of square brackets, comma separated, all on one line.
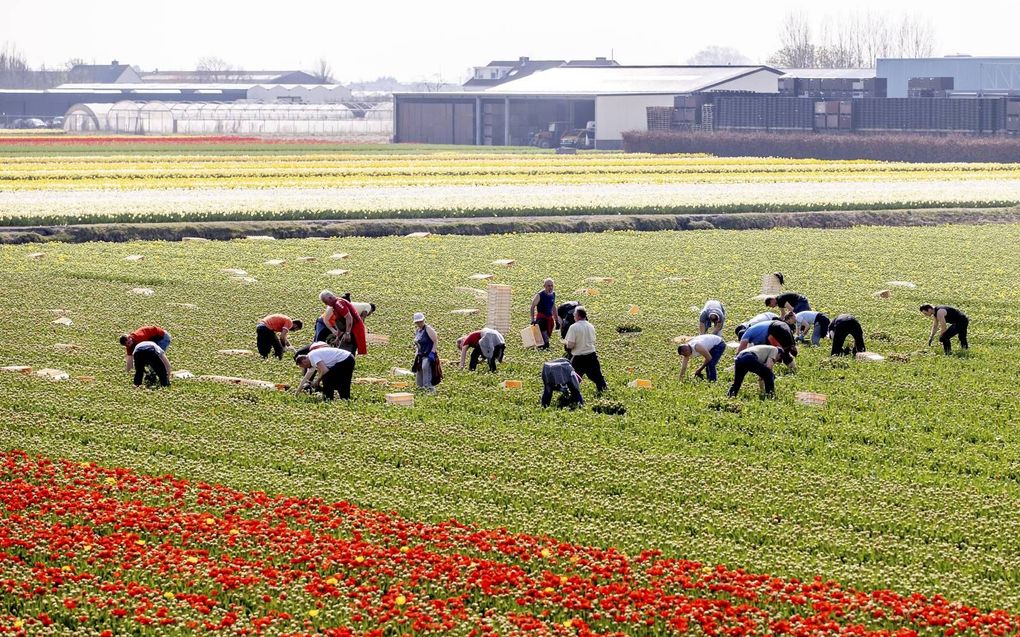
[(908, 478)]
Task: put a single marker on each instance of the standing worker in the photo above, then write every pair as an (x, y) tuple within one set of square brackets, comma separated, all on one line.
[(789, 302), (711, 347), (543, 311), (146, 333), (758, 360), (713, 317), (271, 334), (353, 338), (951, 321), (580, 341), (149, 358), (485, 343), (426, 354), (840, 328), (332, 368), (817, 322)]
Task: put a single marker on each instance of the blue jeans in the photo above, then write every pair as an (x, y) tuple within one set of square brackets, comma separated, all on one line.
[(710, 369), (164, 343)]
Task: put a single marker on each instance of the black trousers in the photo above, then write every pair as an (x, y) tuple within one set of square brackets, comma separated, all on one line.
[(268, 341), (497, 357), (955, 329), (840, 332), (588, 365), (338, 380), (148, 360), (574, 396), (751, 364)]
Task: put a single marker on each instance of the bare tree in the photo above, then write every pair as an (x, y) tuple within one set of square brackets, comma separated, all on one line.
[(218, 69), (323, 72), (855, 40), (796, 49), (718, 56), (14, 69)]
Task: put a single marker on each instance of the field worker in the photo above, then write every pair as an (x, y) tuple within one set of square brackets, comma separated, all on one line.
[(153, 333), (331, 367), (314, 345), (559, 376), (365, 310), (710, 347), (951, 321), (149, 358), (840, 328), (543, 311), (426, 343), (565, 314), (754, 320), (713, 317), (271, 334), (353, 337), (580, 341), (758, 360), (485, 343), (815, 322), (789, 302)]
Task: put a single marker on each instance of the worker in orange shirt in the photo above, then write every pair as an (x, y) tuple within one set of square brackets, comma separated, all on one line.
[(271, 334)]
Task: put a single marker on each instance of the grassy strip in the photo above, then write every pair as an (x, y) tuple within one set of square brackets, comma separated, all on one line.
[(227, 230)]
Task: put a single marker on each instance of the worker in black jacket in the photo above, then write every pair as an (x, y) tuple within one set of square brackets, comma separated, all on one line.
[(559, 376), (841, 327), (789, 302)]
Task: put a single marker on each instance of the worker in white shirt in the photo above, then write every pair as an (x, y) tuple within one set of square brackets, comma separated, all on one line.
[(332, 368), (580, 342), (710, 347)]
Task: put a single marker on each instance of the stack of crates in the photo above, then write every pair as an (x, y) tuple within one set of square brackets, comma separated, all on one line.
[(498, 309), (659, 117), (1013, 116), (834, 115)]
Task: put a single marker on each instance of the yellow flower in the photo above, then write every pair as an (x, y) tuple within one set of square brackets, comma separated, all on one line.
[(18, 623), (359, 559), (234, 531), (66, 568), (314, 612), (548, 589), (405, 549), (546, 552), (140, 542), (563, 579), (111, 481), (192, 559), (400, 600), (169, 595), (87, 547), (210, 521), (568, 623), (332, 581)]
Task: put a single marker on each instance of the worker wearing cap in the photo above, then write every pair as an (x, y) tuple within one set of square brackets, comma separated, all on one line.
[(153, 333), (713, 317), (710, 347), (543, 311), (426, 343), (484, 343), (271, 334)]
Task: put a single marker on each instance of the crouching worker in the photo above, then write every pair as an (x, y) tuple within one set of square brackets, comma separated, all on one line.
[(485, 343), (559, 376), (150, 362), (271, 334), (152, 333), (758, 360), (840, 328), (710, 347), (789, 302), (332, 369), (764, 317), (949, 322), (815, 322), (713, 318)]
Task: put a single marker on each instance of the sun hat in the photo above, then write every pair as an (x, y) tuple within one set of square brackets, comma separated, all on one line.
[(418, 316)]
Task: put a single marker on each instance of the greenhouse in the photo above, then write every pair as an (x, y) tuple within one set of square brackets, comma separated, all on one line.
[(230, 118)]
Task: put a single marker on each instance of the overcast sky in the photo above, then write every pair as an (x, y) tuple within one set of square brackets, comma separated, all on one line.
[(363, 39)]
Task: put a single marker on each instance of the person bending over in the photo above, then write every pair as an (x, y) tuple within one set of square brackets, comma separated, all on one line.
[(841, 327), (485, 343), (710, 347), (331, 368), (271, 334), (148, 358), (949, 322), (758, 360)]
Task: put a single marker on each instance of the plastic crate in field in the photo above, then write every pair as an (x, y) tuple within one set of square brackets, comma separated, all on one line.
[(498, 309)]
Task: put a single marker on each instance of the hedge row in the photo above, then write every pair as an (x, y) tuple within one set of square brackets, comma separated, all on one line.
[(883, 147)]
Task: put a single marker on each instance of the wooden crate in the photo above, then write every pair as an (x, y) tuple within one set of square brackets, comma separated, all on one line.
[(809, 398), (498, 308), (404, 399), (770, 285), (532, 336)]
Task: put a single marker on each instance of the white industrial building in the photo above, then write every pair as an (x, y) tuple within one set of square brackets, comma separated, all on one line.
[(968, 75), (514, 110)]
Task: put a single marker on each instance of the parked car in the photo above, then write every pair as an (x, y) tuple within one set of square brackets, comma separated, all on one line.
[(579, 137), (28, 122), (57, 122)]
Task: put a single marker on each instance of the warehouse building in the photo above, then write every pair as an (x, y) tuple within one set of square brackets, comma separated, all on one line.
[(517, 109), (950, 76)]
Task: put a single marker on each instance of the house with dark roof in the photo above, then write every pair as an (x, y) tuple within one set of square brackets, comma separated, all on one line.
[(228, 75), (112, 73), (498, 71)]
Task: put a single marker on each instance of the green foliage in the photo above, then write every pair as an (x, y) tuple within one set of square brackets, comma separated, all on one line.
[(908, 478)]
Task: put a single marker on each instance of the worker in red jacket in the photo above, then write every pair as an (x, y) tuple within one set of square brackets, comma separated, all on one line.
[(341, 312), (153, 333)]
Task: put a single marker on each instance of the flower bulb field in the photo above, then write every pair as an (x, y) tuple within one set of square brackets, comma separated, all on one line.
[(204, 507), (59, 180)]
